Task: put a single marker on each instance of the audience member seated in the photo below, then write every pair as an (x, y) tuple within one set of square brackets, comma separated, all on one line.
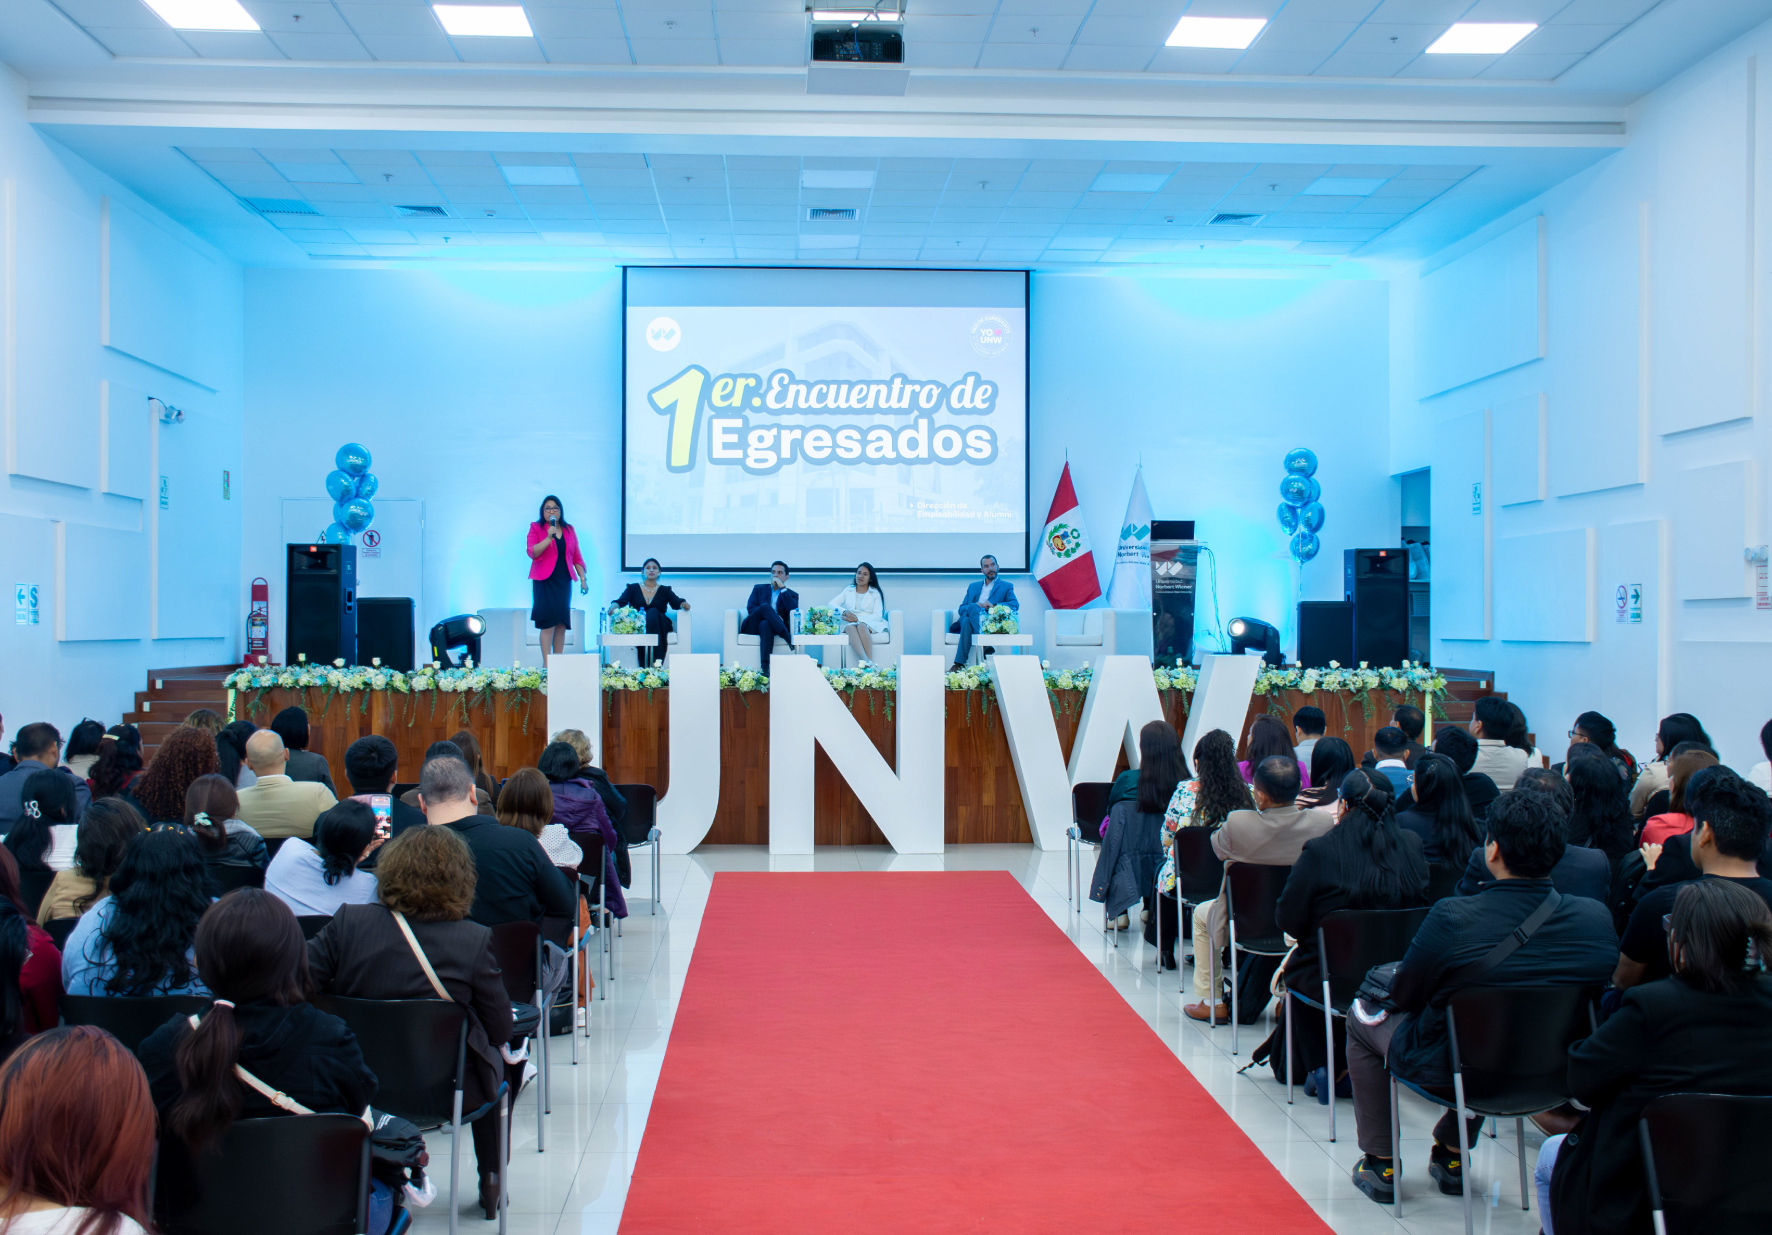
[(469, 746), (15, 953), (1267, 738), (613, 802), (251, 954), (1410, 721), (1661, 801), (137, 940), (1461, 748), (315, 877), (1579, 872), (482, 799), (527, 802), (372, 764), (6, 760), (1366, 861), (1573, 945), (1132, 844), (76, 1137), (277, 806), (43, 837), (291, 724), (1761, 773), (578, 809), (36, 748), (99, 841), (38, 978), (230, 752), (515, 881), (82, 749), (119, 767), (1706, 1030), (1675, 729), (1734, 821), (1391, 749), (1205, 801), (212, 811), (1594, 730), (1601, 815), (1677, 818), (1492, 725), (1308, 726), (1440, 814), (1331, 760), (1273, 834), (185, 755), (426, 876), (208, 720)]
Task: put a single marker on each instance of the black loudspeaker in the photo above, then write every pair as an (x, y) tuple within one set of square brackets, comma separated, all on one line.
[(1325, 633), (1377, 584), (320, 612), (384, 631)]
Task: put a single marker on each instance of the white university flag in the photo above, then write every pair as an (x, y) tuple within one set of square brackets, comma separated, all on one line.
[(1131, 585)]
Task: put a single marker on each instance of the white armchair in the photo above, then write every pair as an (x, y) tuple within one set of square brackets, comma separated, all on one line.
[(1076, 637), (512, 639), (677, 639), (738, 651), (941, 638)]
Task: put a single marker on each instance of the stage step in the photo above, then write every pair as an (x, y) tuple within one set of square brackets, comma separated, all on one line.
[(172, 695)]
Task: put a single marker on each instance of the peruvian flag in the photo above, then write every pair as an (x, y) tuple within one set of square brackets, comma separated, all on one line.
[(1063, 565)]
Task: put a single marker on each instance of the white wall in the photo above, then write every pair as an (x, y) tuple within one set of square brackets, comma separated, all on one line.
[(107, 302), (478, 392), (1634, 452)]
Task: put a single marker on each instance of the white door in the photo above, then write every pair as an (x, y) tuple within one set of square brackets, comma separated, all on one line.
[(393, 565)]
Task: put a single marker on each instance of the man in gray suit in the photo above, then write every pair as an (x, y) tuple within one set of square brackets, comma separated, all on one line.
[(986, 592), (1273, 834)]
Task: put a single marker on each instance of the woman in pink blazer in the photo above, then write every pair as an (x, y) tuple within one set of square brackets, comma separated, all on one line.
[(554, 561)]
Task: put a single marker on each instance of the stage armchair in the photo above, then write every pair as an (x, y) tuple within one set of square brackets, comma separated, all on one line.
[(941, 639), (739, 651), (511, 637), (1077, 637)]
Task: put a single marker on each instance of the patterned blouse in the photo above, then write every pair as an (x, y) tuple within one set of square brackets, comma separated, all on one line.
[(1179, 815)]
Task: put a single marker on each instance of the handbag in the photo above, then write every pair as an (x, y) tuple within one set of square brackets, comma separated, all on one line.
[(525, 1017)]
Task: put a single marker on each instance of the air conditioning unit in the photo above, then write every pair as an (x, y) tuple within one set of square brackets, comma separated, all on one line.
[(858, 33)]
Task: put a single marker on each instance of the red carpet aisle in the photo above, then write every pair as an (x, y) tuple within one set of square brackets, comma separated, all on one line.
[(915, 1053)]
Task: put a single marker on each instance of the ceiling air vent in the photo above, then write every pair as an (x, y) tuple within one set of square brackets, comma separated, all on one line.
[(423, 212), (1237, 220), (816, 213), (279, 205)]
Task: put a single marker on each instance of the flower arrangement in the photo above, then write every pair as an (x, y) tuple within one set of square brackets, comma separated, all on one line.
[(847, 681), (474, 685), (744, 681), (1001, 620), (1181, 677), (626, 620), (620, 677), (1406, 679), (819, 620)]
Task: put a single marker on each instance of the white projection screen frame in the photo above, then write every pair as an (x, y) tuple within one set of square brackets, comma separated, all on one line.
[(764, 410)]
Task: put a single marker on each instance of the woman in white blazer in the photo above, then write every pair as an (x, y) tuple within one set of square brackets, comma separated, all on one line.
[(861, 608)]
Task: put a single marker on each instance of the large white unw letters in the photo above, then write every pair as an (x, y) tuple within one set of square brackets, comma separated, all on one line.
[(686, 812)]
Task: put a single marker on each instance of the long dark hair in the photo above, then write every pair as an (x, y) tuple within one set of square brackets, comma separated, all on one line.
[(230, 748), (543, 519), (249, 949), (1222, 789), (1680, 727), (1516, 734), (15, 948), (1439, 791), (119, 757), (1371, 843), (160, 896), (1601, 817), (1602, 733), (1331, 760), (1267, 738), (874, 583), (341, 835), (185, 755), (1160, 766), (48, 799), (104, 833), (1721, 935), (84, 740)]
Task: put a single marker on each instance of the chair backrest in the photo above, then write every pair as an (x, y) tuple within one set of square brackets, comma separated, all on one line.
[(1199, 870), (1512, 1043), (1442, 881), (272, 844), (33, 886), (312, 923), (1089, 806), (514, 947), (590, 847), (293, 1174), (59, 929), (1351, 941), (1254, 895), (417, 1049), (642, 814), (220, 880), (129, 1018), (1703, 1153)]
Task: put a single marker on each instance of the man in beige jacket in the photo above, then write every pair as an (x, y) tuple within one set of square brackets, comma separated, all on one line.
[(277, 806), (1271, 835)]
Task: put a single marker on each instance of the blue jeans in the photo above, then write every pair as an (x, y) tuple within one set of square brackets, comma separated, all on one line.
[(1541, 1179), (381, 1206)]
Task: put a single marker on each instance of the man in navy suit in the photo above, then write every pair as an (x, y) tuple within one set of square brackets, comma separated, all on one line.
[(767, 613), (988, 591)]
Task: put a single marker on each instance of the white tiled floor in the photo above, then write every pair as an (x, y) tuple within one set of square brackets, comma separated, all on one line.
[(578, 1186)]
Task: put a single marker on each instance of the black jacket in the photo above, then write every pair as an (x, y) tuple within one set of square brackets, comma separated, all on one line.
[(759, 599), (662, 599), (1575, 945), (1667, 1037), (1477, 787), (1676, 865), (517, 882), (309, 765), (1579, 872), (308, 1054), (1322, 882), (1422, 823)]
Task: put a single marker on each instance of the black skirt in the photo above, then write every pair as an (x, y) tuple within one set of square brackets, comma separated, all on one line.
[(553, 596)]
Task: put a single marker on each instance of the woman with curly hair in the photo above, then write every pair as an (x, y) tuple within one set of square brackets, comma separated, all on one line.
[(1205, 801), (137, 941), (119, 766), (185, 755)]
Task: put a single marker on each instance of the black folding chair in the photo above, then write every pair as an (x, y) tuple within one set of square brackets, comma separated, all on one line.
[(1199, 874), (516, 946), (129, 1018), (1442, 881), (639, 827), (219, 880), (33, 886), (418, 1050), (312, 923), (1349, 943), (1703, 1153), (1252, 897), (1510, 1059), (294, 1174), (596, 894), (59, 929), (1088, 809)]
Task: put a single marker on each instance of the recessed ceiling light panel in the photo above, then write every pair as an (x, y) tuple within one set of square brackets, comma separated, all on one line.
[(831, 178), (1234, 33), (1343, 186), (203, 14), (497, 21), (539, 174), (856, 15), (1481, 38)]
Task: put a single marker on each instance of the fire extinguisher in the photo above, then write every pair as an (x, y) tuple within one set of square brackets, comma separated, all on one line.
[(258, 623)]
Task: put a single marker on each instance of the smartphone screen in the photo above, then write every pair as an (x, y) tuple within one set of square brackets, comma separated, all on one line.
[(383, 806)]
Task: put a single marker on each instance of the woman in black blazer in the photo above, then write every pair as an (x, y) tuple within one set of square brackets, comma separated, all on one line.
[(427, 876), (652, 598)]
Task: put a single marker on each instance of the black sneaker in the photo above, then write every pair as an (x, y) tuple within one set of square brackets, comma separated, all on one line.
[(1446, 1169), (1377, 1179)]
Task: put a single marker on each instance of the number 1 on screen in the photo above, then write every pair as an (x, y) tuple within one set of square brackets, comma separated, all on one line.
[(680, 399)]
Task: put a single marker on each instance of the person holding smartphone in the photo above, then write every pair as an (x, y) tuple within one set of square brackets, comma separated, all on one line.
[(554, 562), (315, 877)]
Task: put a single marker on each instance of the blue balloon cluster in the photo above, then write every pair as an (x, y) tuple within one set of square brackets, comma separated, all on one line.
[(350, 487), (1301, 514)]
